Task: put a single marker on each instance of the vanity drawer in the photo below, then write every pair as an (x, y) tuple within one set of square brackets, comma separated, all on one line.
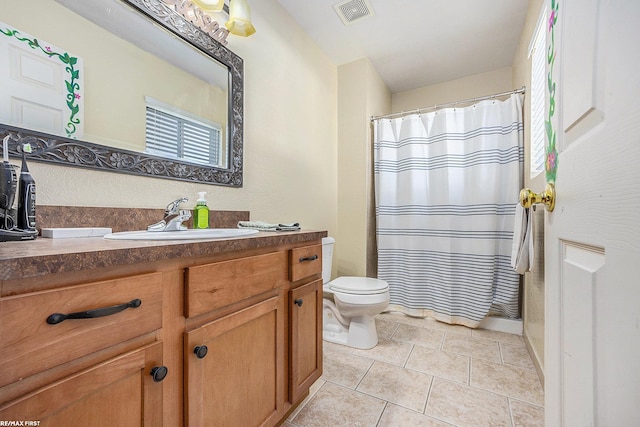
[(31, 344), (305, 262), (220, 284)]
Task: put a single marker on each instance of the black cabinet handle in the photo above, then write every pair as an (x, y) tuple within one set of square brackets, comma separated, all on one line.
[(200, 351), (298, 302), (308, 258), (159, 373), (56, 318)]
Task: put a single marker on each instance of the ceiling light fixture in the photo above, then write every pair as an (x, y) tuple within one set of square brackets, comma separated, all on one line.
[(199, 13), (239, 22)]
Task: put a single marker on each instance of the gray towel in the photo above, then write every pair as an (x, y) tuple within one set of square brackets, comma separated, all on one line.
[(265, 226)]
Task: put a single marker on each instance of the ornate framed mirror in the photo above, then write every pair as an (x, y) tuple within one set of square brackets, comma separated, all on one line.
[(163, 35)]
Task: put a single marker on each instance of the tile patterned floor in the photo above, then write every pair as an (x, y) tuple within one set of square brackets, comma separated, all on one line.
[(425, 373)]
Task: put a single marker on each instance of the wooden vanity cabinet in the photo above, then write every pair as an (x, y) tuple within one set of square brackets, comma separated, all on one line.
[(237, 335)]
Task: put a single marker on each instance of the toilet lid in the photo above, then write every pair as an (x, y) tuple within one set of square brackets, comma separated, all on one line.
[(358, 285)]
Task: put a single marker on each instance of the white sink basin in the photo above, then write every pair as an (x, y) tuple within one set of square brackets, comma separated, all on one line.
[(210, 233)]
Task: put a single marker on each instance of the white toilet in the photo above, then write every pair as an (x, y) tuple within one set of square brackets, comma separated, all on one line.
[(350, 305)]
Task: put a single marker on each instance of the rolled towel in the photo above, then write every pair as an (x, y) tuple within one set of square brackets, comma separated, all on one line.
[(265, 226), (258, 225)]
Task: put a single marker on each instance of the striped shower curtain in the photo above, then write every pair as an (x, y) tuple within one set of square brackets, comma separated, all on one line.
[(446, 187)]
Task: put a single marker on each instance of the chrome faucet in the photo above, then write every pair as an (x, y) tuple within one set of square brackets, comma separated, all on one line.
[(173, 217)]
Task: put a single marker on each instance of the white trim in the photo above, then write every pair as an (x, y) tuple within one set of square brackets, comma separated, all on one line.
[(501, 324), (541, 17)]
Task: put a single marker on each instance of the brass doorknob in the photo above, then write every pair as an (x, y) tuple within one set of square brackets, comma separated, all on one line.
[(528, 198)]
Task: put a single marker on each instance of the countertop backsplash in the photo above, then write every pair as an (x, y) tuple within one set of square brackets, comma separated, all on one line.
[(122, 219)]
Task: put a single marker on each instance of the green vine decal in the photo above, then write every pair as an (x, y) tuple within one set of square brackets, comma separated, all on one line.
[(72, 84), (551, 163)]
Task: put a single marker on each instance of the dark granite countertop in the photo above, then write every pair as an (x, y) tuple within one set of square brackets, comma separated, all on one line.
[(49, 256)]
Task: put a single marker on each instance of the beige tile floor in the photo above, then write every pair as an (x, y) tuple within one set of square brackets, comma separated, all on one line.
[(425, 373)]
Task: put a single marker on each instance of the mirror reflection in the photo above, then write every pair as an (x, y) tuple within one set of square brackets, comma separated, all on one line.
[(137, 88)]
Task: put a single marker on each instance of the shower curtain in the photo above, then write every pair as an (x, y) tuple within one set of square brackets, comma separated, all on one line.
[(446, 187)]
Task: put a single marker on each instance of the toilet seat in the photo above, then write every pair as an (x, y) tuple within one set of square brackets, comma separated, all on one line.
[(358, 291), (358, 286)]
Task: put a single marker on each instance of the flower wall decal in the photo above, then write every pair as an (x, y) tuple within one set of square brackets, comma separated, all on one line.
[(551, 163), (72, 79)]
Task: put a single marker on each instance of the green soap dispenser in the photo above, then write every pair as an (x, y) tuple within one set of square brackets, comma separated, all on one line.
[(201, 212)]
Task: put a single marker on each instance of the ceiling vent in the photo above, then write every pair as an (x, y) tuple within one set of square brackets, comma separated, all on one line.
[(351, 11)]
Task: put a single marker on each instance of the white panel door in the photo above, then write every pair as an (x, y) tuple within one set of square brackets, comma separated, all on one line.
[(592, 240)]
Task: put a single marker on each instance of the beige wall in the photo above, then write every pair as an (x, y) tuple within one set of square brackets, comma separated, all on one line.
[(378, 103), (362, 94), (290, 155), (533, 291), (495, 81)]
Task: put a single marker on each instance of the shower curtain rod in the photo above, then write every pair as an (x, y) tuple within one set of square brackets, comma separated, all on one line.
[(435, 107)]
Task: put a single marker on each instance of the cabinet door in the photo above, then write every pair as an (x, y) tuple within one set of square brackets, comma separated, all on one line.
[(235, 368), (119, 392), (305, 328)]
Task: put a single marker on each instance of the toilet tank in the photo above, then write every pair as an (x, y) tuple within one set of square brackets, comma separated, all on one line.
[(327, 256)]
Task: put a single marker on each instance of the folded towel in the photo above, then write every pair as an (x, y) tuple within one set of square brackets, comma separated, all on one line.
[(522, 251), (265, 226), (294, 226)]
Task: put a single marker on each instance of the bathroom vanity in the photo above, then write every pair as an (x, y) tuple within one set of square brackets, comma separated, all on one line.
[(198, 333)]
